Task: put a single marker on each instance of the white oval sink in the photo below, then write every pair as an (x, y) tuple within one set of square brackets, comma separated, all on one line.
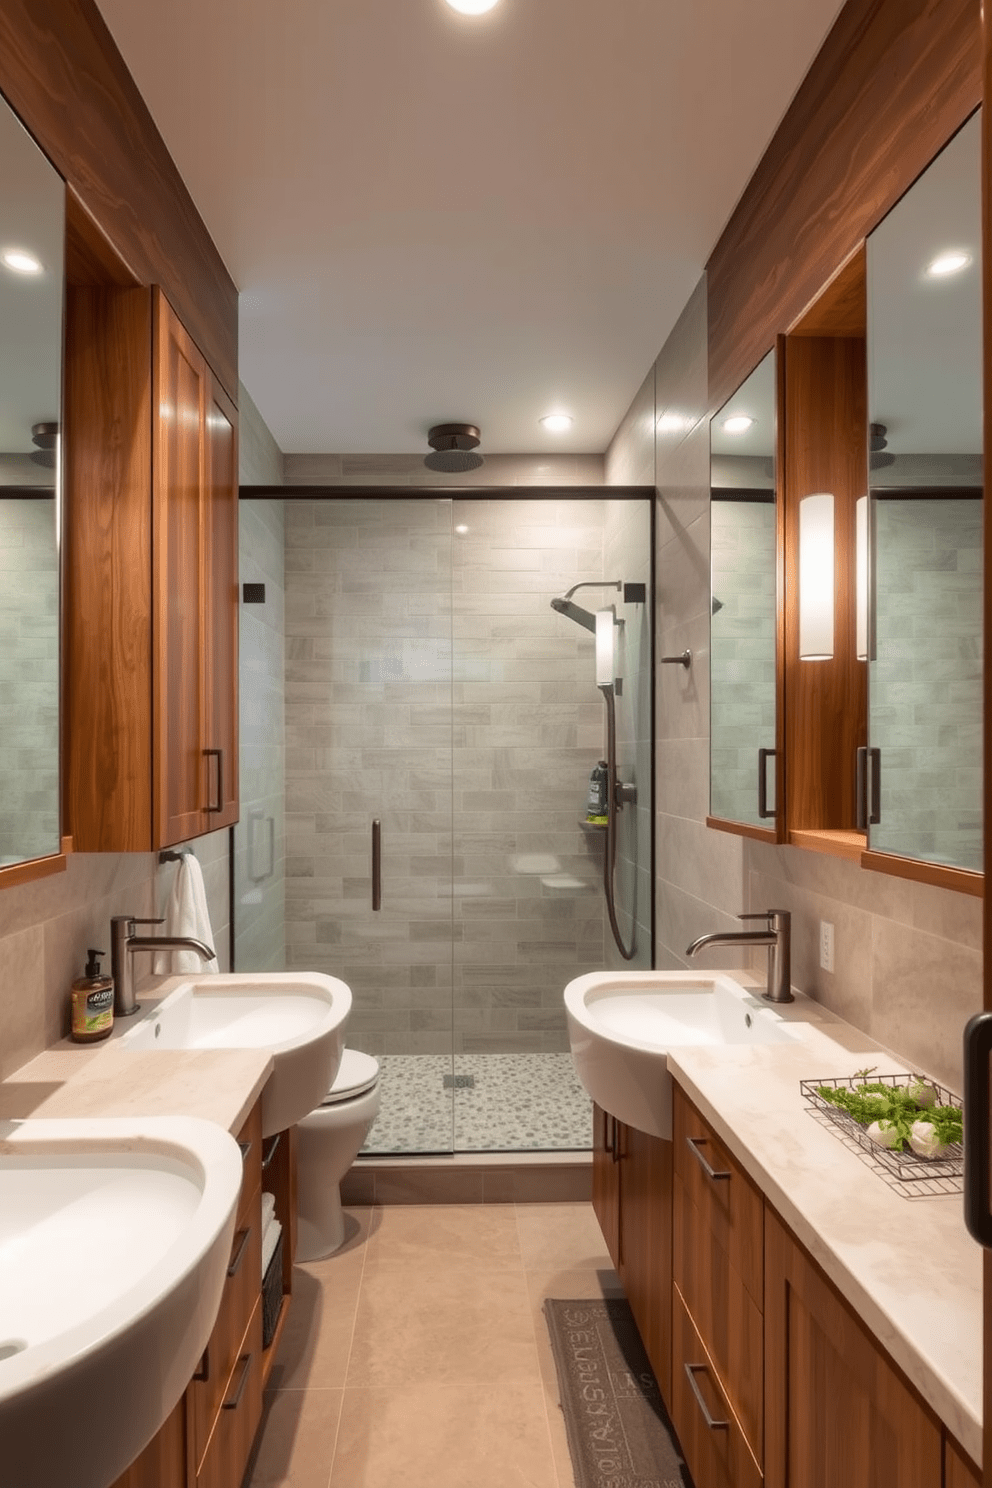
[(115, 1237), (298, 1017), (622, 1024)]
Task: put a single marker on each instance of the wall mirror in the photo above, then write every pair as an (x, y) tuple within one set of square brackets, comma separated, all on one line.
[(32, 232), (743, 622), (923, 782)]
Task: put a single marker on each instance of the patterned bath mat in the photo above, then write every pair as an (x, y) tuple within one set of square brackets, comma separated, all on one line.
[(619, 1433)]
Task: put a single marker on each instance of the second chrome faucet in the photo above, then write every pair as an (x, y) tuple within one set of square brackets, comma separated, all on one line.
[(777, 936)]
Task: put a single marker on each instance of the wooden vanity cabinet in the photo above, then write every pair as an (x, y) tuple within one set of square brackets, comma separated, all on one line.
[(151, 577), (632, 1189), (838, 1410)]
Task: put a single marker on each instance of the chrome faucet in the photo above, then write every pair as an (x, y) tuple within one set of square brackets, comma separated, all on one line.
[(124, 942), (777, 936)]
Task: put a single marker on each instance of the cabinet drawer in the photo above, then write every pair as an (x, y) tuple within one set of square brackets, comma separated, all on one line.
[(249, 1139), (241, 1294), (724, 1313), (239, 1414), (730, 1207), (713, 1442)]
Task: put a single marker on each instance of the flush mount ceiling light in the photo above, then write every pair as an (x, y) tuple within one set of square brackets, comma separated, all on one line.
[(20, 261), (737, 423), (556, 423), (452, 448), (473, 7), (951, 262)]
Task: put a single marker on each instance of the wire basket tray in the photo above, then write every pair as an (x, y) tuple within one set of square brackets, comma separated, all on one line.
[(928, 1175)]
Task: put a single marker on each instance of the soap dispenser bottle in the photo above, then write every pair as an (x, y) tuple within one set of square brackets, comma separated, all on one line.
[(92, 1003)]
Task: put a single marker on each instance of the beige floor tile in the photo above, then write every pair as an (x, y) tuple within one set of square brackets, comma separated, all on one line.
[(454, 1236), (316, 1340), (299, 1431), (419, 1324), (565, 1236), (455, 1436)]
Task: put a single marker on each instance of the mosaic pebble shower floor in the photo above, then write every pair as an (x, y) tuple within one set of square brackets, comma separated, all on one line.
[(516, 1102)]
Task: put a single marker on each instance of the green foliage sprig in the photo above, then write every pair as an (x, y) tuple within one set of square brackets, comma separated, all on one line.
[(873, 1101)]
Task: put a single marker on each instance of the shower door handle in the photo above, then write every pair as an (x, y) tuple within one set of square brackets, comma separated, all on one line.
[(377, 864)]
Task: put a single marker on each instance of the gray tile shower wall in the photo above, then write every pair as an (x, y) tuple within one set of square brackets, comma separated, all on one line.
[(409, 470), (908, 957)]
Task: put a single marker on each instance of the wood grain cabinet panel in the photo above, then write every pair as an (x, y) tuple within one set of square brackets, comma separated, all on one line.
[(606, 1180), (959, 1471), (151, 576), (239, 1415), (646, 1244), (711, 1438), (837, 1410), (730, 1207)]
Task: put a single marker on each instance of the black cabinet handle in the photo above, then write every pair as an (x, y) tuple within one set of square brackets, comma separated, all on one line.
[(233, 1401), (217, 754), (764, 755), (238, 1256), (202, 1374), (693, 1144), (868, 784), (690, 1372), (270, 1152), (977, 1185), (377, 864)]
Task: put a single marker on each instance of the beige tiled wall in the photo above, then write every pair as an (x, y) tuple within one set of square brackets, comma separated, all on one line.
[(410, 470), (908, 958)]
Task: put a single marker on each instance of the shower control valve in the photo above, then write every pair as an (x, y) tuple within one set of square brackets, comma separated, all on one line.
[(624, 794)]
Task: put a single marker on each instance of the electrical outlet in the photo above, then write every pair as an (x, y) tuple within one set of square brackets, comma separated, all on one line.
[(826, 945)]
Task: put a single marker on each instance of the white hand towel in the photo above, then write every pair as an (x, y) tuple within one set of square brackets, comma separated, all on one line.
[(186, 914), (268, 1210), (269, 1244)]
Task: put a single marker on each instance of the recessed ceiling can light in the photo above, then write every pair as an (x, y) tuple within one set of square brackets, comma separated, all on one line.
[(557, 423), (461, 528), (20, 261), (473, 7), (737, 423), (951, 262)]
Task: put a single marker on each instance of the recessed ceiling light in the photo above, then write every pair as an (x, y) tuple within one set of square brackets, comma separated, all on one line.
[(737, 423), (557, 423), (21, 262), (473, 7), (461, 528), (672, 423), (948, 263)]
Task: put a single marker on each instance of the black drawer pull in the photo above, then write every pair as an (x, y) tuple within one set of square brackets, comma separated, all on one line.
[(218, 755), (270, 1152), (202, 1374), (694, 1144), (233, 1401), (690, 1372), (245, 1150), (239, 1255)]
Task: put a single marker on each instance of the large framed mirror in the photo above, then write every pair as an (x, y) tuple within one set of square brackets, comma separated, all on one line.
[(923, 782), (743, 686), (32, 252)]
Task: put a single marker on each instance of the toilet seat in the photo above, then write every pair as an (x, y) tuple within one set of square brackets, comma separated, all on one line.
[(356, 1074)]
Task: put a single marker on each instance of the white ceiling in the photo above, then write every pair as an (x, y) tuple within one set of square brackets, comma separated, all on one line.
[(434, 217)]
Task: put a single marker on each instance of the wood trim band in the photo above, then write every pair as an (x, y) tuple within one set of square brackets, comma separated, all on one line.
[(743, 829), (940, 874)]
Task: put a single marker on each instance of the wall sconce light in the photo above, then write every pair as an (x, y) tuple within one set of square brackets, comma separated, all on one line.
[(861, 575), (816, 577)]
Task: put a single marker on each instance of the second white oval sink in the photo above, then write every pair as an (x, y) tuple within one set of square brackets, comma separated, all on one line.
[(622, 1024), (298, 1017)]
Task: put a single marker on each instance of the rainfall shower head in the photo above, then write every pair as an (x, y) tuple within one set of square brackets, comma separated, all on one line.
[(573, 611)]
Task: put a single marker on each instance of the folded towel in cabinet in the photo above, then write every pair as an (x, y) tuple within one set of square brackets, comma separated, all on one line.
[(269, 1242), (268, 1211)]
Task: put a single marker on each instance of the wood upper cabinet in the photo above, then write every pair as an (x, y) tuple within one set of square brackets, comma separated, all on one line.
[(151, 578), (837, 1410), (194, 580)]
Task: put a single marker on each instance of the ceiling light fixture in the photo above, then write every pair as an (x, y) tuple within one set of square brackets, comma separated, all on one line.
[(737, 423), (473, 7), (951, 262), (557, 423), (20, 261)]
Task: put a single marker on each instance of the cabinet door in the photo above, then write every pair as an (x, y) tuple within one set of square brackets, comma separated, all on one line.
[(163, 1462), (179, 482), (606, 1179), (836, 1410), (646, 1244), (220, 617)]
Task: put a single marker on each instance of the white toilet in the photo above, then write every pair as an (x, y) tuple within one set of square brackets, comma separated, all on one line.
[(328, 1141)]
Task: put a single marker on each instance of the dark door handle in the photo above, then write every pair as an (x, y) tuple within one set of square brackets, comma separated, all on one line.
[(764, 755), (377, 864), (217, 754), (977, 1185), (868, 788)]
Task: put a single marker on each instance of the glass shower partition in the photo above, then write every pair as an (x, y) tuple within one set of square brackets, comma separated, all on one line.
[(369, 739)]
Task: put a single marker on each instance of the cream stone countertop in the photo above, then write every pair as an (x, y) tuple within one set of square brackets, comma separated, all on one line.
[(908, 1267)]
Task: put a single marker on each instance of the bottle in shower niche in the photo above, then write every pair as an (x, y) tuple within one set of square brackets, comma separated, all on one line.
[(92, 1003), (597, 804)]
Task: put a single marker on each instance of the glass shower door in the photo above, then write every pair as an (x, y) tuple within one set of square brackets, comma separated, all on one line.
[(369, 739)]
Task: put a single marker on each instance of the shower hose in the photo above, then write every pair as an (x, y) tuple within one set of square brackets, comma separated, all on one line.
[(610, 855)]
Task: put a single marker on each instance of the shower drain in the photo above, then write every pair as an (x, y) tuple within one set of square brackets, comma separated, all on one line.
[(459, 1082)]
